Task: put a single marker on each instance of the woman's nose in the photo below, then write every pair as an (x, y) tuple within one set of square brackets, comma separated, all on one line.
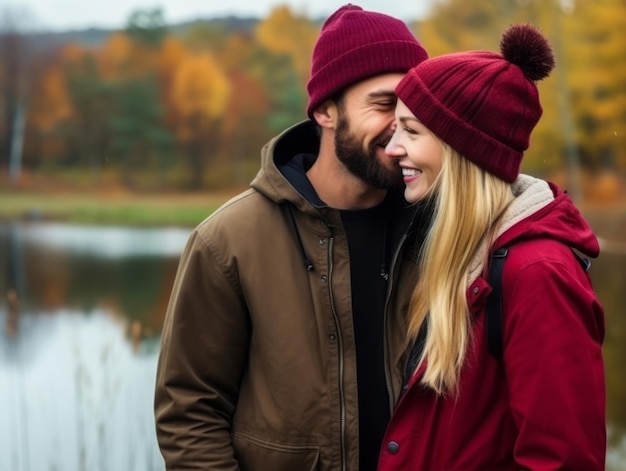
[(392, 149)]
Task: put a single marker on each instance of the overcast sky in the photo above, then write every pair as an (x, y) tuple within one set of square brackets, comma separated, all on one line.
[(72, 14)]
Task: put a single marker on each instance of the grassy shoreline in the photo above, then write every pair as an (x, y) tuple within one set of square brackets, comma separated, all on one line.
[(120, 208), (125, 209)]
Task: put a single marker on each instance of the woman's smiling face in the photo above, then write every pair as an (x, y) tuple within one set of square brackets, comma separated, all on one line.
[(418, 152)]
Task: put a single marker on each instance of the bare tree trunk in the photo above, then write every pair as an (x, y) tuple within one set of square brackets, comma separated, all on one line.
[(17, 143), (14, 59), (9, 63)]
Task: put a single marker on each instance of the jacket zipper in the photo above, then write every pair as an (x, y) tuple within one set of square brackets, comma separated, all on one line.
[(342, 399)]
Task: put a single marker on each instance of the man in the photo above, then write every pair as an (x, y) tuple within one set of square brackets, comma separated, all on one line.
[(277, 353)]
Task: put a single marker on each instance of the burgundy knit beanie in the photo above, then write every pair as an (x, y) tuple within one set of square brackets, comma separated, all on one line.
[(483, 104), (355, 45)]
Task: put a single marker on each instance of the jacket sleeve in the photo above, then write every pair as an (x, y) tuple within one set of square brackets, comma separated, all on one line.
[(204, 349), (553, 360)]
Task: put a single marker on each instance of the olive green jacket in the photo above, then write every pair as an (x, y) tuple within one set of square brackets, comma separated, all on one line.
[(257, 369)]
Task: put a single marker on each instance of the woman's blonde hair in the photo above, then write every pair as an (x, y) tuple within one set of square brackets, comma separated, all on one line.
[(467, 204)]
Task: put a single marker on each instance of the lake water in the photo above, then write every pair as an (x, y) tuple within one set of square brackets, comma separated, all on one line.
[(77, 364)]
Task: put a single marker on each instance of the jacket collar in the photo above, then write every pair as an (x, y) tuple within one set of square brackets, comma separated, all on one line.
[(531, 195)]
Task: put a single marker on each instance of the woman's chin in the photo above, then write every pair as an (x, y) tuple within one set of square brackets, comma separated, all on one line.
[(412, 194)]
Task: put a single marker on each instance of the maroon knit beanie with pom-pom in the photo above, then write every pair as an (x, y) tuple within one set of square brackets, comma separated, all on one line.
[(354, 45), (483, 104)]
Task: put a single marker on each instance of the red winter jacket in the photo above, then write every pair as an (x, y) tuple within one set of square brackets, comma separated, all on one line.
[(542, 406)]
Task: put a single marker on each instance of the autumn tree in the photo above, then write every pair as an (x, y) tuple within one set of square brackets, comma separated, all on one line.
[(49, 109), (140, 141), (203, 37), (280, 82), (147, 27), (246, 123), (282, 64), (597, 73), (244, 129), (246, 118), (458, 25), (200, 94), (285, 33), (128, 64), (88, 131)]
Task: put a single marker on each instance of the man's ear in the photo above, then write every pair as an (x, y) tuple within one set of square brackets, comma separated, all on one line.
[(326, 114)]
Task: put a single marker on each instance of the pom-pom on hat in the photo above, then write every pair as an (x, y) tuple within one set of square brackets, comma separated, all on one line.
[(354, 45), (483, 104)]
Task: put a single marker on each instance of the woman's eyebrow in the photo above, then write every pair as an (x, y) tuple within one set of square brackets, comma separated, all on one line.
[(404, 119)]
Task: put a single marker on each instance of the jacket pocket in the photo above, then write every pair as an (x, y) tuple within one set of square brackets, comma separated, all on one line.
[(254, 454)]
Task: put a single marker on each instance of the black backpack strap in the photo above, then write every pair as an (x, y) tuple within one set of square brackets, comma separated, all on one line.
[(493, 321), (415, 354), (584, 263)]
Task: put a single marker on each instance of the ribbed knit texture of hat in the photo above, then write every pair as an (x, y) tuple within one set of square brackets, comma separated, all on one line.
[(484, 105), (354, 45)]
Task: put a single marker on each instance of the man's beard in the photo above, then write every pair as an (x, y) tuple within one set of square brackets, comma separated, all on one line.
[(362, 162)]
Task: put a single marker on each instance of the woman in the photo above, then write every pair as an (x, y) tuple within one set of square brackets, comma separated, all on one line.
[(463, 122)]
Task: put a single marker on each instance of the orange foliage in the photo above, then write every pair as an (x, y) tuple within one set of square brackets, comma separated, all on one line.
[(123, 57), (245, 107), (116, 56), (51, 104), (172, 53), (236, 52), (200, 92), (72, 53), (244, 129)]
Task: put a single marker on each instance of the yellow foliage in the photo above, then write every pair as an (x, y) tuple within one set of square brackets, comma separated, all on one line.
[(117, 54), (201, 90), (122, 57), (272, 31), (284, 33), (594, 46)]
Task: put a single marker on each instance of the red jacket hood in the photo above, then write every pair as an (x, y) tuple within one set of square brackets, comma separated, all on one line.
[(559, 220)]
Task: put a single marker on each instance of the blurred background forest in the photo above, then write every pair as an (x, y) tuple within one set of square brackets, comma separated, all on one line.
[(184, 107)]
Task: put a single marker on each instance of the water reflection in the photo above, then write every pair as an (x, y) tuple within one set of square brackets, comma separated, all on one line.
[(77, 363), (75, 396), (608, 273), (126, 271), (103, 242), (81, 320)]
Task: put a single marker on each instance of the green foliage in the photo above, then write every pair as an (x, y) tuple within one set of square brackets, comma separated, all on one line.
[(279, 79), (204, 36), (147, 27), (137, 124), (92, 100)]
